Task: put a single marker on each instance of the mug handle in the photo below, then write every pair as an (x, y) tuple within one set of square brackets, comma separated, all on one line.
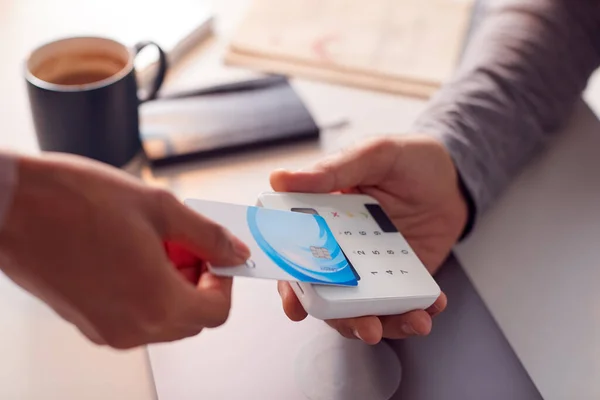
[(160, 74)]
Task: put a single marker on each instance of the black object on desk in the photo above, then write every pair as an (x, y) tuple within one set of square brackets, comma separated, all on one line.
[(231, 117)]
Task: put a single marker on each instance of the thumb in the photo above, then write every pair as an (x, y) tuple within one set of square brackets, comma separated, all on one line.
[(199, 235), (363, 165)]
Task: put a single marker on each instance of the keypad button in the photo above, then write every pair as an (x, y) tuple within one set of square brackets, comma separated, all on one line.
[(389, 273), (332, 215), (379, 252)]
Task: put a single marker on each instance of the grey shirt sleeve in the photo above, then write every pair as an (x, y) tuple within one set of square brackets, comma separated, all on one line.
[(8, 181), (525, 69)]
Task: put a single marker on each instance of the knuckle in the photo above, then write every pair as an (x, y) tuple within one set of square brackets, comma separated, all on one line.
[(142, 324), (161, 201), (329, 163), (378, 145), (164, 199), (154, 316), (153, 322)]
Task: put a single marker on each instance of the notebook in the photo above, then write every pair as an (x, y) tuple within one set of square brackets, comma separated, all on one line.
[(261, 112), (400, 46)]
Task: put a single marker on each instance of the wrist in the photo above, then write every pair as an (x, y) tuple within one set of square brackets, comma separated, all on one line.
[(30, 193), (461, 200)]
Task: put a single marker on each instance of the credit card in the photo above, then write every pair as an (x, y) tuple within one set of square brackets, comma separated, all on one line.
[(284, 245)]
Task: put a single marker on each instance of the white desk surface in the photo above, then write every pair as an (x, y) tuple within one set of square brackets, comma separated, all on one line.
[(43, 357)]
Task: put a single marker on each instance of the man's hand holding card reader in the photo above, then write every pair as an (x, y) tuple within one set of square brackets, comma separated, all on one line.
[(342, 255), (392, 279)]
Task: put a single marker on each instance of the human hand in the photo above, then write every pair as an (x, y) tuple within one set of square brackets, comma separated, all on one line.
[(416, 183), (94, 244)]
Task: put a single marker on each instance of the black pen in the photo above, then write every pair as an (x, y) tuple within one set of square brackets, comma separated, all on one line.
[(240, 86)]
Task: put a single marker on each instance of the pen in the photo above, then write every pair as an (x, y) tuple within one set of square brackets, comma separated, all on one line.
[(240, 86)]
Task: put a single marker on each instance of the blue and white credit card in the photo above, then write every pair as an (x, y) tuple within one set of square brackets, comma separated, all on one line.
[(285, 245)]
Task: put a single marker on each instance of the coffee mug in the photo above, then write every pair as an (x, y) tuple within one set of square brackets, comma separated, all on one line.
[(84, 98)]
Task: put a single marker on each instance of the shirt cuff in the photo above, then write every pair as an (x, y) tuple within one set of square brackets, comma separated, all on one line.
[(8, 182), (468, 175)]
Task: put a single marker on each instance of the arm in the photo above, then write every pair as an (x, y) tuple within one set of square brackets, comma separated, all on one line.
[(515, 89), (521, 76), (8, 177)]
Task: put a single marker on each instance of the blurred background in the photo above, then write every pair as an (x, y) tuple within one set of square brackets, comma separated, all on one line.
[(25, 24)]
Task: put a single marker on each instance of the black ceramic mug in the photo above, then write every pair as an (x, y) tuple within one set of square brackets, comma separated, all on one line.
[(84, 97)]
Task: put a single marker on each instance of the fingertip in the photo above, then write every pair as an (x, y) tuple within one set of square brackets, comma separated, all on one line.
[(309, 181), (206, 305), (443, 301), (291, 305), (372, 333), (281, 287), (367, 329), (278, 179), (438, 306), (414, 323), (241, 250), (421, 323), (296, 314)]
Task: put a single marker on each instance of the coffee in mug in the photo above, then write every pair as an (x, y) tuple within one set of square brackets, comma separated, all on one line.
[(84, 97)]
